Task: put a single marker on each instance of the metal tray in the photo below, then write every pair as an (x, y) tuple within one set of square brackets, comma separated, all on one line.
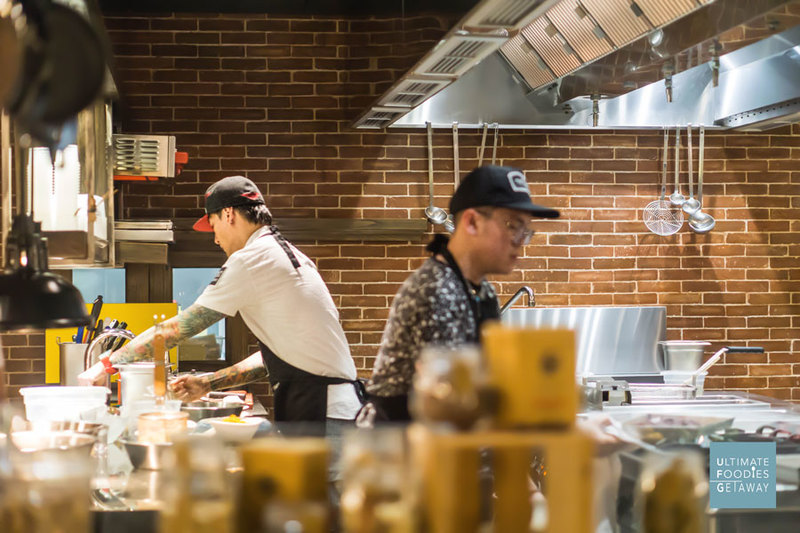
[(643, 392), (201, 409), (673, 428)]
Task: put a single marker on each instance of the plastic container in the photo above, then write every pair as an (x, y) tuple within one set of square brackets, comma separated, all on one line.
[(161, 427), (135, 379), (63, 403), (131, 412), (677, 377)]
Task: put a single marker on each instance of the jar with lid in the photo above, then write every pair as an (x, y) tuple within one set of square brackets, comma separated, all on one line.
[(448, 386)]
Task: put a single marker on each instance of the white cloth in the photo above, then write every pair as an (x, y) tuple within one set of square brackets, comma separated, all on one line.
[(290, 310)]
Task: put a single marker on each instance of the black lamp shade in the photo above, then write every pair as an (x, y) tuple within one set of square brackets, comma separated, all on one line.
[(31, 300)]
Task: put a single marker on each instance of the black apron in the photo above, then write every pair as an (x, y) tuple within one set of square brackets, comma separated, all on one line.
[(482, 299), (300, 398), (483, 305)]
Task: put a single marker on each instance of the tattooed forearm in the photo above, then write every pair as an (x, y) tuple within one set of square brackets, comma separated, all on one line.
[(184, 325), (249, 370)]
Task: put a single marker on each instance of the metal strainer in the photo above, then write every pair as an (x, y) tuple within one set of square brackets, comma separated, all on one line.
[(660, 216)]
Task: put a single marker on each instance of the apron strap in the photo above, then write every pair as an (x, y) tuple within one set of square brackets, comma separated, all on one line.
[(474, 303), (299, 396), (285, 245), (483, 306)]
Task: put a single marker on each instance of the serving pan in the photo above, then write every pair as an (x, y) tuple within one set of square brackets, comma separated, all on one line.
[(200, 409), (147, 455), (670, 428)]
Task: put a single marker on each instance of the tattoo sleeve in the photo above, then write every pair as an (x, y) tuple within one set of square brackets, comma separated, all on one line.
[(184, 325), (247, 371)]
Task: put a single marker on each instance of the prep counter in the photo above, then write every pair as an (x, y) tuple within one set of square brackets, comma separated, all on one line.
[(749, 412)]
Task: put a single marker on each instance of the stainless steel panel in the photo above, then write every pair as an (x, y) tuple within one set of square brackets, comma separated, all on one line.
[(525, 59), (578, 28), (764, 118), (551, 46), (610, 340), (485, 94), (686, 42), (617, 19), (783, 72), (630, 80), (490, 93)]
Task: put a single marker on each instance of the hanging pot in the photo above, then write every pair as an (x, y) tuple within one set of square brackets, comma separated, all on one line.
[(63, 69)]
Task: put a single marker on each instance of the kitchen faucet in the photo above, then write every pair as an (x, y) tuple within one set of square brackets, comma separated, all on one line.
[(87, 361), (522, 290)]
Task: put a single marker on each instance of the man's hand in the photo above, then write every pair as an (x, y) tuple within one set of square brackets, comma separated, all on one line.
[(95, 375), (606, 443), (189, 388)]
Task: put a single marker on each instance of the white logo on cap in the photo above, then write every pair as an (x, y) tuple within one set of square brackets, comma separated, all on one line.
[(516, 180)]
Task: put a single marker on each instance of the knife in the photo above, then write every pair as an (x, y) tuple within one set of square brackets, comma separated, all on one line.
[(116, 345), (96, 331), (110, 341), (97, 305)]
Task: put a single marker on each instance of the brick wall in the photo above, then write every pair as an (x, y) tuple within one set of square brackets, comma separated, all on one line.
[(24, 355), (273, 98)]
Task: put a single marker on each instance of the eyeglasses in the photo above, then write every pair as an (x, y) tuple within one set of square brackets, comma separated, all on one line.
[(520, 233)]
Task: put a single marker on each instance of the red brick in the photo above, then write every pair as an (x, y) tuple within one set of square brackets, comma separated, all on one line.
[(283, 115)]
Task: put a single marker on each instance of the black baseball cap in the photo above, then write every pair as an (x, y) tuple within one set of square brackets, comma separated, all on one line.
[(233, 191), (495, 186)]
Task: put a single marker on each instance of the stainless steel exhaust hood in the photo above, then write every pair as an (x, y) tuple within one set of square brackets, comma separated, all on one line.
[(610, 64)]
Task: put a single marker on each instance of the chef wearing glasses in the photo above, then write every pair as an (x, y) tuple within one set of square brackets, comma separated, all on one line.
[(446, 300)]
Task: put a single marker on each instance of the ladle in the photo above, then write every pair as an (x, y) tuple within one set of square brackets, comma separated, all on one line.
[(699, 221), (494, 147), (435, 215), (692, 204), (456, 170), (676, 197), (449, 224), (483, 144)]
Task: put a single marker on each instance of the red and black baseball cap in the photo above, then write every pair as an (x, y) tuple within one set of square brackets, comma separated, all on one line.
[(496, 186), (233, 191)]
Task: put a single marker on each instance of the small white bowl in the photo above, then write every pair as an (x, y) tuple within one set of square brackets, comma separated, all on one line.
[(235, 431)]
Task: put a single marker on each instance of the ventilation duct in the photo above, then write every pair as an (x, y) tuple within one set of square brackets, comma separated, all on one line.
[(613, 63)]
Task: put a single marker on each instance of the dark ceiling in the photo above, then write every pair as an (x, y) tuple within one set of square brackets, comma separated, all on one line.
[(290, 7)]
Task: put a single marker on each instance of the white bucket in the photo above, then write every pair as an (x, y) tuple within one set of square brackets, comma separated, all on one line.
[(134, 381), (63, 403)]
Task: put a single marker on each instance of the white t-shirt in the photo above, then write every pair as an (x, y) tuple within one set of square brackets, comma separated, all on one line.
[(290, 310)]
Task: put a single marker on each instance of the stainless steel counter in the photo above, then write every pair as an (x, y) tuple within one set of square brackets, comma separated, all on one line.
[(749, 412)]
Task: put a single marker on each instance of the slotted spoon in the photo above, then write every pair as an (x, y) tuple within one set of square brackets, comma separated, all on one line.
[(661, 216)]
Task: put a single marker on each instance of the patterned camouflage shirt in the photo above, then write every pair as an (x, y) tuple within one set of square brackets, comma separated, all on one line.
[(431, 308)]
